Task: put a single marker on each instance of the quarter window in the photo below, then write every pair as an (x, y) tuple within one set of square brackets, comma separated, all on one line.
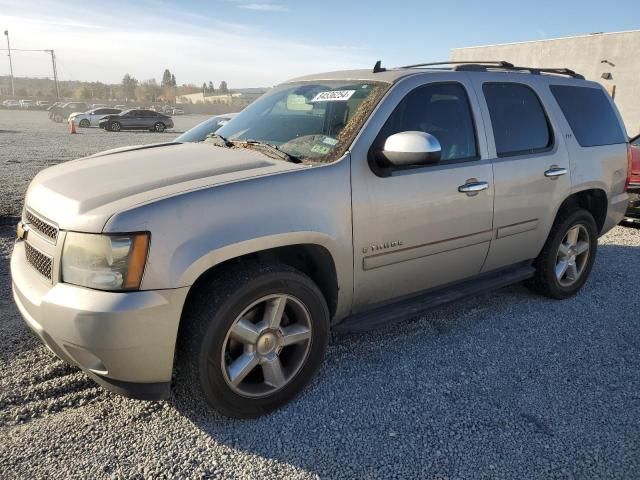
[(520, 125), (590, 115), (441, 109)]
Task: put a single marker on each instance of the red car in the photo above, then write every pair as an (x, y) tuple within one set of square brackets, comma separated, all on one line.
[(633, 212)]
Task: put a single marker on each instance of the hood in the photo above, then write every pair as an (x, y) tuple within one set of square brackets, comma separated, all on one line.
[(82, 194)]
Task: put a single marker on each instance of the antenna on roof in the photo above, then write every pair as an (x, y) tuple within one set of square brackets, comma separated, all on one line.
[(377, 68)]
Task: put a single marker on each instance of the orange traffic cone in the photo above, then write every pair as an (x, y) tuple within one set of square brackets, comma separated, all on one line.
[(72, 127)]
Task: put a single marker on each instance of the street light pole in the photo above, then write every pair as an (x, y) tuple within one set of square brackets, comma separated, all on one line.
[(55, 72), (13, 88)]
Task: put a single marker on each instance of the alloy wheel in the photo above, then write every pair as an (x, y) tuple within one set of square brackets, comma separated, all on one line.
[(572, 256), (266, 345)]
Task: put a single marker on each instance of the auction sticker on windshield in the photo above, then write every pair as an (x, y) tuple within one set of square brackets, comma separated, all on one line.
[(333, 96)]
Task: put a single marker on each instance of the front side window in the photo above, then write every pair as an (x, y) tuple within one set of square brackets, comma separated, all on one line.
[(520, 125), (590, 115), (442, 110), (312, 121)]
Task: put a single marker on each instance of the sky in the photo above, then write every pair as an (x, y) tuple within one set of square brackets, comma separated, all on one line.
[(259, 43)]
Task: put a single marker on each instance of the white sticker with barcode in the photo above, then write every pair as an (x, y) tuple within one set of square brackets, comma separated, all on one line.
[(333, 96)]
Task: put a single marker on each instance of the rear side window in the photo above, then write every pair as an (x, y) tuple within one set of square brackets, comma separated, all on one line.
[(520, 125), (590, 115)]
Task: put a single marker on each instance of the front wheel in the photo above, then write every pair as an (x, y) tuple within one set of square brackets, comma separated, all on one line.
[(84, 123), (115, 126), (566, 260), (251, 339)]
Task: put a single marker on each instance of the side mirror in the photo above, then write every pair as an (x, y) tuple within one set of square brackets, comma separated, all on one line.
[(412, 148)]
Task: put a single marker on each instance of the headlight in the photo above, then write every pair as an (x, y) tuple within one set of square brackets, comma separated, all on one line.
[(105, 262)]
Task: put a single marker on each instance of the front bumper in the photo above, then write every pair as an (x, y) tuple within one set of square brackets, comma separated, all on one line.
[(124, 341)]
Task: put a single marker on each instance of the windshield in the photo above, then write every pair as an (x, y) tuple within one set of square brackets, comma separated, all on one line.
[(315, 121), (199, 132)]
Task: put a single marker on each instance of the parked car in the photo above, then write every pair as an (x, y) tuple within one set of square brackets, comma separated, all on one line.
[(200, 132), (177, 111), (99, 105), (121, 107), (91, 117), (61, 112), (42, 105), (136, 120), (633, 212), (338, 201), (11, 104), (27, 104)]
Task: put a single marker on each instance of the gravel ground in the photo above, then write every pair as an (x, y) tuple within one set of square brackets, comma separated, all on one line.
[(29, 142), (504, 385)]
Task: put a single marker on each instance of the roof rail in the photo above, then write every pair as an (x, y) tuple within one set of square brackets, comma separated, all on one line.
[(488, 65), (482, 67), (497, 63)]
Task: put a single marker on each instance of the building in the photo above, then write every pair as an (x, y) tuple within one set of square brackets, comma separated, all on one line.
[(609, 58), (240, 98)]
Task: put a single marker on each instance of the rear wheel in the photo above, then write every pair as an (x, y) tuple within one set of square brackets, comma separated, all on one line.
[(251, 339), (115, 126), (567, 257)]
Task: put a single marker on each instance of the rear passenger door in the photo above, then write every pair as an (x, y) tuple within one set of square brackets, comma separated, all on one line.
[(530, 164)]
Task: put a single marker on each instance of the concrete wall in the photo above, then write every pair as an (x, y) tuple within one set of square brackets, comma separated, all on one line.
[(584, 55)]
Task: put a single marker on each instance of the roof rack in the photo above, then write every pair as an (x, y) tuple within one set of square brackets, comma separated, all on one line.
[(498, 64), (489, 65), (482, 67)]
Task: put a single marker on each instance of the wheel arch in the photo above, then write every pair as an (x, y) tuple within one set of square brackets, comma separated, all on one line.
[(594, 200), (313, 259)]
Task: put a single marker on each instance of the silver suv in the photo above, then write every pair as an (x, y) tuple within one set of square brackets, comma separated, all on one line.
[(338, 201)]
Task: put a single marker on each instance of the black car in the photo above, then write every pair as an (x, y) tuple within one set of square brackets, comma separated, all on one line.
[(136, 119), (60, 112)]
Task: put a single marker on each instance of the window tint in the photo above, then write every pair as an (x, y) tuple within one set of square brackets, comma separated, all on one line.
[(636, 141), (439, 109), (590, 115), (519, 123)]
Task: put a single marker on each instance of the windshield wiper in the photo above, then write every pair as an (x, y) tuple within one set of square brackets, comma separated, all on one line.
[(218, 140), (269, 149)]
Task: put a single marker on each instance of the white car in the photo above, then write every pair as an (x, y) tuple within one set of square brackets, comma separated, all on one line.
[(177, 111), (90, 118), (26, 104)]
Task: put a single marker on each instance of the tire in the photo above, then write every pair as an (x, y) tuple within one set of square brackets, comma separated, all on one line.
[(84, 123), (548, 279), (57, 118), (206, 343), (115, 127), (159, 127)]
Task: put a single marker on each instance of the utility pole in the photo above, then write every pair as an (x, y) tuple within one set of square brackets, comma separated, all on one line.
[(13, 88), (55, 72)]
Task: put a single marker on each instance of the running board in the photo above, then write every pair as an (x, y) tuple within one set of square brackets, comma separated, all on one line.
[(418, 304)]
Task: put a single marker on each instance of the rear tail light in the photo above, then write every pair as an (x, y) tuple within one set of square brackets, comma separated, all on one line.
[(629, 166)]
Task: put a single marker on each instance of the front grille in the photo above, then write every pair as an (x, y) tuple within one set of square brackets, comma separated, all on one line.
[(47, 229), (38, 260)]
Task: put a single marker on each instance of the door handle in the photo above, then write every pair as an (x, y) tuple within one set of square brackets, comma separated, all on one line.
[(555, 172), (473, 187)]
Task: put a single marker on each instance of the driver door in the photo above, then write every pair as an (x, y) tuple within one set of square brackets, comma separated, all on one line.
[(416, 228)]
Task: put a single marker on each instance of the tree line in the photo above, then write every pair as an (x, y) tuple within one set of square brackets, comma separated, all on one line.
[(129, 89)]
